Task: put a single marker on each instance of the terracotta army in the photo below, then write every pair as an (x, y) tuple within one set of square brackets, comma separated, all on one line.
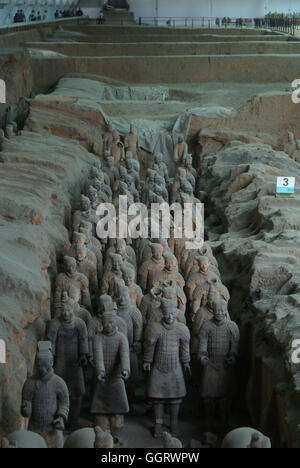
[(180, 150), (71, 277), (79, 311), (199, 274), (93, 244), (92, 195), (150, 301), (79, 239), (112, 368), (110, 276), (116, 149), (110, 169), (108, 137), (150, 268), (84, 214), (135, 291), (200, 293), (119, 247), (69, 340), (166, 358), (45, 399), (169, 273), (87, 268), (203, 313), (132, 142), (105, 304), (217, 353), (131, 170), (131, 315), (161, 167)]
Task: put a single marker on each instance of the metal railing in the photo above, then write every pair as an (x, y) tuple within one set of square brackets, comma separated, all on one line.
[(276, 24), (192, 22), (15, 27)]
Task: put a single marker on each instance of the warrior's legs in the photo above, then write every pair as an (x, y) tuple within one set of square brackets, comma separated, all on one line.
[(102, 420), (174, 412), (116, 424), (159, 418)]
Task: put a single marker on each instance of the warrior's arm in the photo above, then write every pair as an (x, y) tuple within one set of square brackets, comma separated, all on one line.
[(203, 343), (185, 356), (63, 401), (82, 338), (27, 396), (98, 355), (59, 287), (235, 338), (86, 298), (137, 320), (124, 354), (150, 343)]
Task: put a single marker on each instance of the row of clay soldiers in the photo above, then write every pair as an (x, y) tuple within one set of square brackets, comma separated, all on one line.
[(124, 302)]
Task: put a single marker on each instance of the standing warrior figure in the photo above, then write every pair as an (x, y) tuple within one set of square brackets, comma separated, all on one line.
[(45, 399), (68, 336), (112, 368), (116, 149), (84, 214), (132, 142), (180, 151), (71, 277), (217, 353), (108, 137), (166, 357)]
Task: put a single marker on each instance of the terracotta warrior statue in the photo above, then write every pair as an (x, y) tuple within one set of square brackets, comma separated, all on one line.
[(45, 399), (199, 274), (79, 239), (166, 358), (132, 142), (180, 150), (84, 214), (93, 244), (150, 268), (135, 291), (110, 276), (108, 137), (169, 273), (131, 315), (69, 341), (71, 277), (87, 268), (161, 167), (116, 149), (110, 169), (112, 368), (217, 353)]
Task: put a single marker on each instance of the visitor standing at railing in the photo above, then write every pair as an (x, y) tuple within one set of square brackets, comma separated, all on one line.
[(32, 16)]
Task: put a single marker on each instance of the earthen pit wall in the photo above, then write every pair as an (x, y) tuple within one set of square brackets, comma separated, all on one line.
[(142, 30), (170, 69), (161, 49), (126, 38)]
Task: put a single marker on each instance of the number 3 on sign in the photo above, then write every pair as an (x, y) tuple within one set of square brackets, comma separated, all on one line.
[(285, 185)]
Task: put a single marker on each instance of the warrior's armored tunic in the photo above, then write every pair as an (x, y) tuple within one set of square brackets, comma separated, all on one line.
[(69, 342), (166, 347), (218, 342), (46, 398), (79, 281), (111, 354)]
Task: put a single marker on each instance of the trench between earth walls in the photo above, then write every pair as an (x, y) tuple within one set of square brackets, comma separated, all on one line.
[(254, 236)]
